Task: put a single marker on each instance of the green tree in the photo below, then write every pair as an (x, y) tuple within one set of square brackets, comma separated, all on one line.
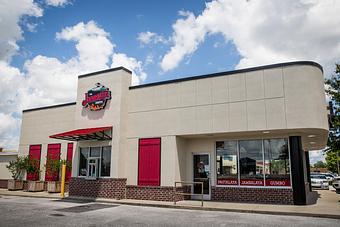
[(333, 91), (319, 164), (331, 161)]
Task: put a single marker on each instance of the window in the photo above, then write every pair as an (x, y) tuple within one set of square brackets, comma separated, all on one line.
[(105, 162), (226, 159), (95, 162), (276, 161), (251, 162), (84, 152)]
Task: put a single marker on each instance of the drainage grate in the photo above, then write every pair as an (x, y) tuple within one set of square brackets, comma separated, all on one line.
[(86, 208)]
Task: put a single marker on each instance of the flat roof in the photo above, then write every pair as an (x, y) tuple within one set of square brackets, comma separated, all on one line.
[(185, 78), (229, 73), (105, 71), (48, 107)]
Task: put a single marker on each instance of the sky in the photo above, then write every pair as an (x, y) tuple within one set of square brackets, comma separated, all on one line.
[(46, 44)]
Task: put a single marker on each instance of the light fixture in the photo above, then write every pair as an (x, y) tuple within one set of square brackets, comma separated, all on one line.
[(312, 142), (311, 136), (265, 132)]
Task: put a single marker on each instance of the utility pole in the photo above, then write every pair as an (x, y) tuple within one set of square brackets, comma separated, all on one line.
[(337, 162)]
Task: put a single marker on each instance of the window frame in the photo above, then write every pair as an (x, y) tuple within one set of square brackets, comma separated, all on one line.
[(99, 162), (263, 157)]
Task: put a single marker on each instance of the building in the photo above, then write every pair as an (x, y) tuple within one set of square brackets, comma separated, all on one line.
[(245, 134), (5, 157)]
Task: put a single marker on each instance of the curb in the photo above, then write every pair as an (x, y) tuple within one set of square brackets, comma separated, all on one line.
[(332, 216)]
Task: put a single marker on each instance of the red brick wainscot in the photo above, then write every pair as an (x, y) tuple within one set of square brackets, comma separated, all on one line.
[(3, 183), (111, 188), (156, 193), (253, 195)]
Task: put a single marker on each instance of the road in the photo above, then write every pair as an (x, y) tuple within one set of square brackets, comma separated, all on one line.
[(23, 211)]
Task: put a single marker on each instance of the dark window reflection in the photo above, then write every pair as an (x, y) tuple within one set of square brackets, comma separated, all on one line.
[(83, 161), (276, 159), (106, 162), (251, 159)]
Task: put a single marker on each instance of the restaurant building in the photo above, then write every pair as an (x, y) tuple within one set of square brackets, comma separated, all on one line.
[(245, 134)]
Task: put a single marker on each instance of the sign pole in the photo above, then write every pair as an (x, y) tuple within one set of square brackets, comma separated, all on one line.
[(63, 173)]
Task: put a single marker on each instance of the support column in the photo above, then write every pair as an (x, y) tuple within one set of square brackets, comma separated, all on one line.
[(308, 170), (296, 160)]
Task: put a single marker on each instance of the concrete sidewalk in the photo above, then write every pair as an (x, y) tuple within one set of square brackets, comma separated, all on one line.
[(327, 206)]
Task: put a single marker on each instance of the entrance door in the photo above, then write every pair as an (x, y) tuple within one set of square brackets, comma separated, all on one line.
[(92, 172), (201, 174)]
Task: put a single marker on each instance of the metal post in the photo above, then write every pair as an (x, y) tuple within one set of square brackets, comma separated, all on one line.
[(202, 193), (63, 173), (337, 161)]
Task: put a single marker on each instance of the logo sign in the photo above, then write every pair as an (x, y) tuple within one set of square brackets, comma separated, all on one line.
[(96, 98)]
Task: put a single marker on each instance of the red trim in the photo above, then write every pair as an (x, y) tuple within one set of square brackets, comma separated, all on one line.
[(251, 182), (53, 153), (34, 154), (149, 162), (69, 157)]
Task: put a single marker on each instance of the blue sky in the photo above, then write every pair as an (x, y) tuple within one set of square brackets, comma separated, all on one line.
[(124, 20), (45, 44)]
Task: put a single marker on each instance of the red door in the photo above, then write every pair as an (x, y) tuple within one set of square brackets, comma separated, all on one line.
[(149, 162), (69, 161), (34, 156), (53, 157)]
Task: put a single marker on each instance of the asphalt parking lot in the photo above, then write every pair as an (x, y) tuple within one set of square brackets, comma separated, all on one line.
[(21, 211)]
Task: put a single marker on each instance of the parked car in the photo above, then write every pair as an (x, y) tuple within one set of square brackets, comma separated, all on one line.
[(319, 181), (330, 177), (336, 184)]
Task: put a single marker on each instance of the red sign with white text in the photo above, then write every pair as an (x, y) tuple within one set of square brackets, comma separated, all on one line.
[(278, 183), (227, 182), (252, 182)]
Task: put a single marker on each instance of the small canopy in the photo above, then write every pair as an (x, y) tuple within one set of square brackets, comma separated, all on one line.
[(85, 134)]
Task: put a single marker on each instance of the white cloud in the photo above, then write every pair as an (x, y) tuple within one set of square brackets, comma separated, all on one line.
[(58, 3), (315, 156), (263, 32), (48, 80), (138, 74), (10, 32), (151, 37)]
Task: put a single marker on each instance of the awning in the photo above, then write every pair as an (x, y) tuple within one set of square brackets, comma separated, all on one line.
[(84, 134)]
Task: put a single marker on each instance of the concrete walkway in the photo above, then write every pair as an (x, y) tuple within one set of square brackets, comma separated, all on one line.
[(327, 205)]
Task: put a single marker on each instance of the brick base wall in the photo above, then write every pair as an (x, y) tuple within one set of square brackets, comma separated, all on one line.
[(3, 183), (111, 188), (157, 193), (253, 195)]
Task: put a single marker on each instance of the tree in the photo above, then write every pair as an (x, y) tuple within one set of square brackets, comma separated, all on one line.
[(319, 164), (333, 91), (17, 167)]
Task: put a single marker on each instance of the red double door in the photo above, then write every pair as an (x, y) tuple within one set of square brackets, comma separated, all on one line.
[(149, 162), (52, 159)]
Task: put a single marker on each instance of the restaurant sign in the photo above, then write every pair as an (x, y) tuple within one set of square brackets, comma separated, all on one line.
[(96, 98)]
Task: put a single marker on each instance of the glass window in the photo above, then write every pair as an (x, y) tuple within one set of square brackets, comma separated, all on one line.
[(105, 162), (95, 152), (251, 162), (83, 161), (226, 162), (94, 161), (277, 170)]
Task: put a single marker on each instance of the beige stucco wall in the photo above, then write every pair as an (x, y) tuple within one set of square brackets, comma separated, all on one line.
[(38, 125), (289, 99), (4, 161), (114, 114)]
